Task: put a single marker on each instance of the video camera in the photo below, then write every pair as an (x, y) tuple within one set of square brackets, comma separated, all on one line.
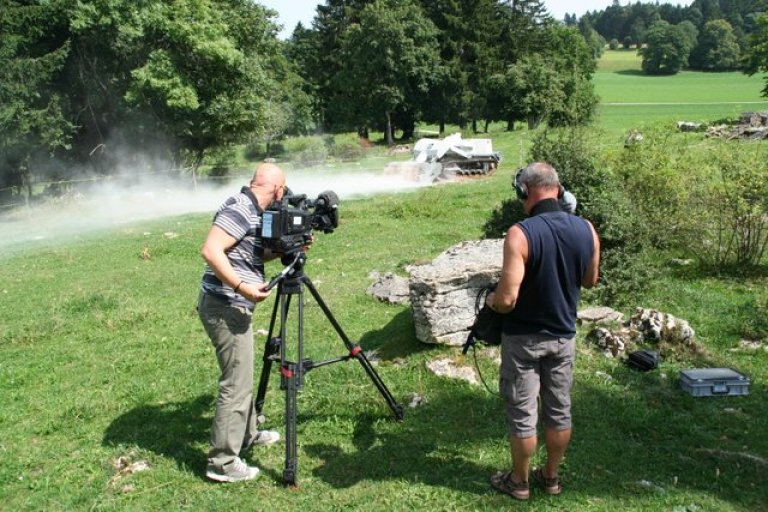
[(286, 226)]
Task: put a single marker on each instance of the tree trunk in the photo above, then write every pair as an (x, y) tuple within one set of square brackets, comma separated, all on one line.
[(199, 154), (388, 130), (409, 128), (534, 120), (442, 128)]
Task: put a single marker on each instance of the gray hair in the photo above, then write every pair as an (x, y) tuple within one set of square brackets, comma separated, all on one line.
[(539, 175)]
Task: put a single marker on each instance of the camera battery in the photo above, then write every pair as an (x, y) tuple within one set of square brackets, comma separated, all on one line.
[(714, 382)]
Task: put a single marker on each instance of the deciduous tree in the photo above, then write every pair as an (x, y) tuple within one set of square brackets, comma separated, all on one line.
[(666, 49), (757, 56), (717, 48), (392, 60)]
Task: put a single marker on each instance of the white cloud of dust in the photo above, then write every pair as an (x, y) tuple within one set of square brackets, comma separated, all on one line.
[(136, 197)]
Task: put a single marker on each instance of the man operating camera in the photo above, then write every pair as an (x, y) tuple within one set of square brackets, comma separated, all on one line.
[(547, 258), (233, 282)]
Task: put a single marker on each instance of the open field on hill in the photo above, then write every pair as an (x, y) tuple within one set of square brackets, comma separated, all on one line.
[(630, 99), (102, 357)]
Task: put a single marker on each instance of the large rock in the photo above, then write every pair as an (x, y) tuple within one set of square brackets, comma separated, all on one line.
[(389, 288), (443, 292)]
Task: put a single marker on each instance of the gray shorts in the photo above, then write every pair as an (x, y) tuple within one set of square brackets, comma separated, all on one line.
[(532, 366)]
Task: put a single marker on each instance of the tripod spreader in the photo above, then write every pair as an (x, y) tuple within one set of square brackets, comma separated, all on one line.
[(292, 281)]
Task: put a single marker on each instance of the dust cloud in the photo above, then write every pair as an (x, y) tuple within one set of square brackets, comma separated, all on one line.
[(124, 201)]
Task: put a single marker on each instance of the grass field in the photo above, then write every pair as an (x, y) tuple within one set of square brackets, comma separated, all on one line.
[(630, 99), (102, 357)]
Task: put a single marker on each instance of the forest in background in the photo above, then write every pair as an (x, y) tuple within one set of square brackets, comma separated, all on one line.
[(92, 87)]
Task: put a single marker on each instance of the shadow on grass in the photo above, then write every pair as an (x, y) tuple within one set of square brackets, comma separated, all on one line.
[(396, 339), (649, 445), (637, 439), (171, 430), (657, 440), (433, 445), (631, 72)]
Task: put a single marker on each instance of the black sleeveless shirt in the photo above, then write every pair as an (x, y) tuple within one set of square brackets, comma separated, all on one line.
[(560, 248)]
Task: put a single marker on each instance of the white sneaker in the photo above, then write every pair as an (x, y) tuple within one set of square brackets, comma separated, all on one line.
[(234, 471), (266, 437)]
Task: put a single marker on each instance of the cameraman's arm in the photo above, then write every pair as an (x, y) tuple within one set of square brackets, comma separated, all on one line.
[(214, 252), (512, 271)]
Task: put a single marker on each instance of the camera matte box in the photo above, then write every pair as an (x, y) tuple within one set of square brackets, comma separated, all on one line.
[(714, 382)]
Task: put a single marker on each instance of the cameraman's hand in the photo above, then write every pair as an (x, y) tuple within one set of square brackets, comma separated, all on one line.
[(311, 240), (255, 292)]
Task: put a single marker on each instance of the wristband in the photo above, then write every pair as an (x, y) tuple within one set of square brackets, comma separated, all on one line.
[(238, 285)]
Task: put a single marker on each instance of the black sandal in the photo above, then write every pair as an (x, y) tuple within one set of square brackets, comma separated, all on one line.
[(503, 482), (551, 486)]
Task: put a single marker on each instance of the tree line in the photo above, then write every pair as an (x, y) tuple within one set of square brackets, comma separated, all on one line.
[(90, 85), (708, 35)]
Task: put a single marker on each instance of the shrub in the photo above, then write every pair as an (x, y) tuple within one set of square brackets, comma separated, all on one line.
[(613, 44), (309, 150), (755, 325), (657, 177), (348, 151), (730, 227), (221, 161), (508, 213), (254, 151), (601, 200)]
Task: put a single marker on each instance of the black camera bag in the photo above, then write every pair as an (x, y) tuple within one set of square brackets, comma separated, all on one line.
[(643, 360), (488, 323)]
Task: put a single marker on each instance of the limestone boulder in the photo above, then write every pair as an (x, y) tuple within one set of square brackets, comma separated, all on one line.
[(443, 292), (389, 287)]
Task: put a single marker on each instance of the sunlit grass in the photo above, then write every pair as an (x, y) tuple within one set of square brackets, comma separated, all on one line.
[(102, 356), (630, 99)]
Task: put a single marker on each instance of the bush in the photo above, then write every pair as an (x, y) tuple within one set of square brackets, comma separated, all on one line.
[(508, 213), (657, 175), (624, 274), (221, 161), (347, 151), (729, 230), (254, 151), (307, 151), (755, 325), (613, 44)]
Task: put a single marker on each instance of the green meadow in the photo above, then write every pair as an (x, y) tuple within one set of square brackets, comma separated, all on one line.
[(630, 99), (104, 364)]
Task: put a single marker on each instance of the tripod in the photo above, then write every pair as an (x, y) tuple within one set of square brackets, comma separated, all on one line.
[(291, 281)]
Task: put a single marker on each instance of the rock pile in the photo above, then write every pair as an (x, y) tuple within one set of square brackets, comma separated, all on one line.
[(645, 326), (752, 125)]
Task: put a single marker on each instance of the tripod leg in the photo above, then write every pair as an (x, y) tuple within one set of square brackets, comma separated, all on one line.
[(356, 352), (290, 382), (271, 347)]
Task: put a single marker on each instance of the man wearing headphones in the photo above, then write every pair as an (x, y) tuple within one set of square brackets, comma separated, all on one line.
[(548, 257)]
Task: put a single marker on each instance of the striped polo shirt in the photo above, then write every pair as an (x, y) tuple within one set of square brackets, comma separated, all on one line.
[(239, 218)]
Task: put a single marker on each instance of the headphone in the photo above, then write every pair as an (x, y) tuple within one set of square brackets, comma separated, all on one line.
[(521, 189)]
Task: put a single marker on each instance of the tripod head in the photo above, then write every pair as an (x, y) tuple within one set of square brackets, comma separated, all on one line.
[(294, 267)]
